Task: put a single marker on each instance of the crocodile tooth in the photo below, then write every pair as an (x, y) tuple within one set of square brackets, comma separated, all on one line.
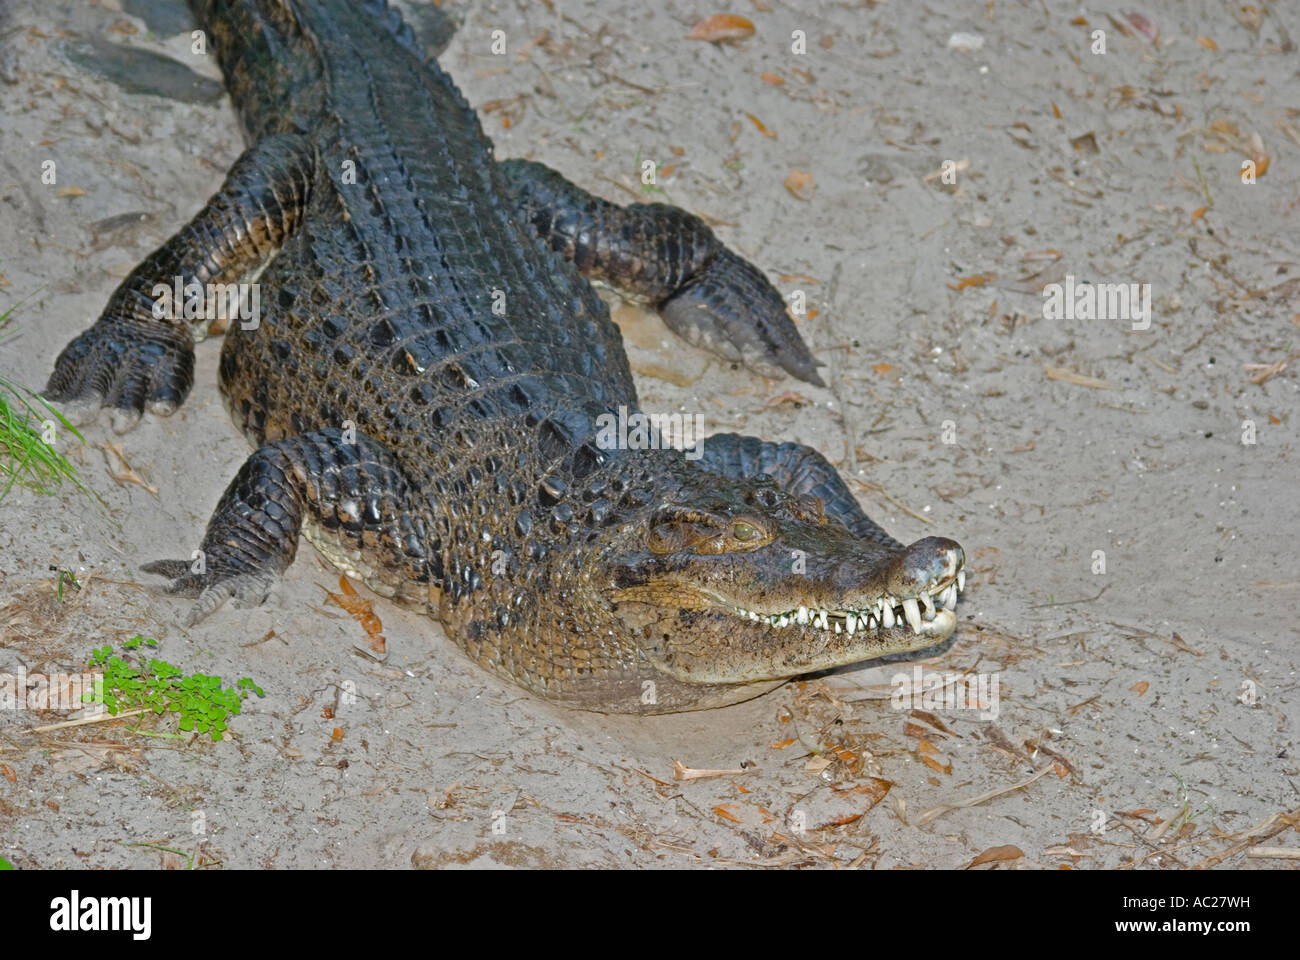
[(887, 617), (851, 622), (821, 622), (838, 628), (912, 610), (950, 597), (928, 602), (753, 615), (961, 580), (869, 622), (802, 616), (783, 621)]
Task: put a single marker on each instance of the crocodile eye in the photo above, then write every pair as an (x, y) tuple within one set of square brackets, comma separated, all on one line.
[(743, 531)]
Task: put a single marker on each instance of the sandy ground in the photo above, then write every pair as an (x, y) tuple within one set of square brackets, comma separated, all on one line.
[(1133, 583)]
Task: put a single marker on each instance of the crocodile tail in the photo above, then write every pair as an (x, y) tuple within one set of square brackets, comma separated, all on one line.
[(392, 20), (269, 62), (269, 56)]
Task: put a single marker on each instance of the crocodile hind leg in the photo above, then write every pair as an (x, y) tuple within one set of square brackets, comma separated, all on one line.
[(140, 353), (349, 496), (660, 253)]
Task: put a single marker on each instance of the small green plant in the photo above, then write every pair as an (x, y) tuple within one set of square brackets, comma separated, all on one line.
[(1186, 812), (202, 702), (65, 576), (26, 422), (5, 864)]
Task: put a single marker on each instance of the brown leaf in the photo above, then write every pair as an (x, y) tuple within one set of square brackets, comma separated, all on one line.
[(722, 28), (997, 855), (9, 773), (1141, 687), (337, 735), (1085, 143), (800, 183), (759, 124), (775, 79), (71, 192), (976, 281), (362, 611), (724, 811), (1135, 25), (1207, 43), (935, 765)]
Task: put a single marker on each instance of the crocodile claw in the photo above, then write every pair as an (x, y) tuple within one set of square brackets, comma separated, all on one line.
[(211, 589), (127, 366)]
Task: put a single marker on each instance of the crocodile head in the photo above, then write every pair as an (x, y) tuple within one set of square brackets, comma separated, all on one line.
[(745, 585)]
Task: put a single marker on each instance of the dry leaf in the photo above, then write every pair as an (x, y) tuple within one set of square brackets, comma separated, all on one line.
[(722, 28), (781, 744), (1207, 43), (882, 368), (976, 281), (1141, 687), (362, 611), (71, 192), (1198, 213), (775, 79), (997, 855), (759, 124), (935, 765), (1085, 143), (1135, 25), (9, 773), (337, 735), (724, 811), (1254, 148), (800, 183)]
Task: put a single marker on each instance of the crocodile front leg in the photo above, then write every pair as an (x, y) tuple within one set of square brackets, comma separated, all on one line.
[(140, 353), (798, 470), (660, 253), (349, 496)]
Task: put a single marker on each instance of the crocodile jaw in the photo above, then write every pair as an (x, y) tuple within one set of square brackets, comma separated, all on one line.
[(852, 606)]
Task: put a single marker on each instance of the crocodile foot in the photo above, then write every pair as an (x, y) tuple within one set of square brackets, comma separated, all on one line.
[(127, 366), (212, 589)]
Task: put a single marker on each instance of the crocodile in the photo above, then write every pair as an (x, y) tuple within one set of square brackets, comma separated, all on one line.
[(425, 384)]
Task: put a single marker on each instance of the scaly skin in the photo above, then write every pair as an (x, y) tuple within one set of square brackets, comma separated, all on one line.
[(425, 392)]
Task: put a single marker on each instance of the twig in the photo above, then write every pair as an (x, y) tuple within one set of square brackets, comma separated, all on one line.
[(935, 812), (98, 718)]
